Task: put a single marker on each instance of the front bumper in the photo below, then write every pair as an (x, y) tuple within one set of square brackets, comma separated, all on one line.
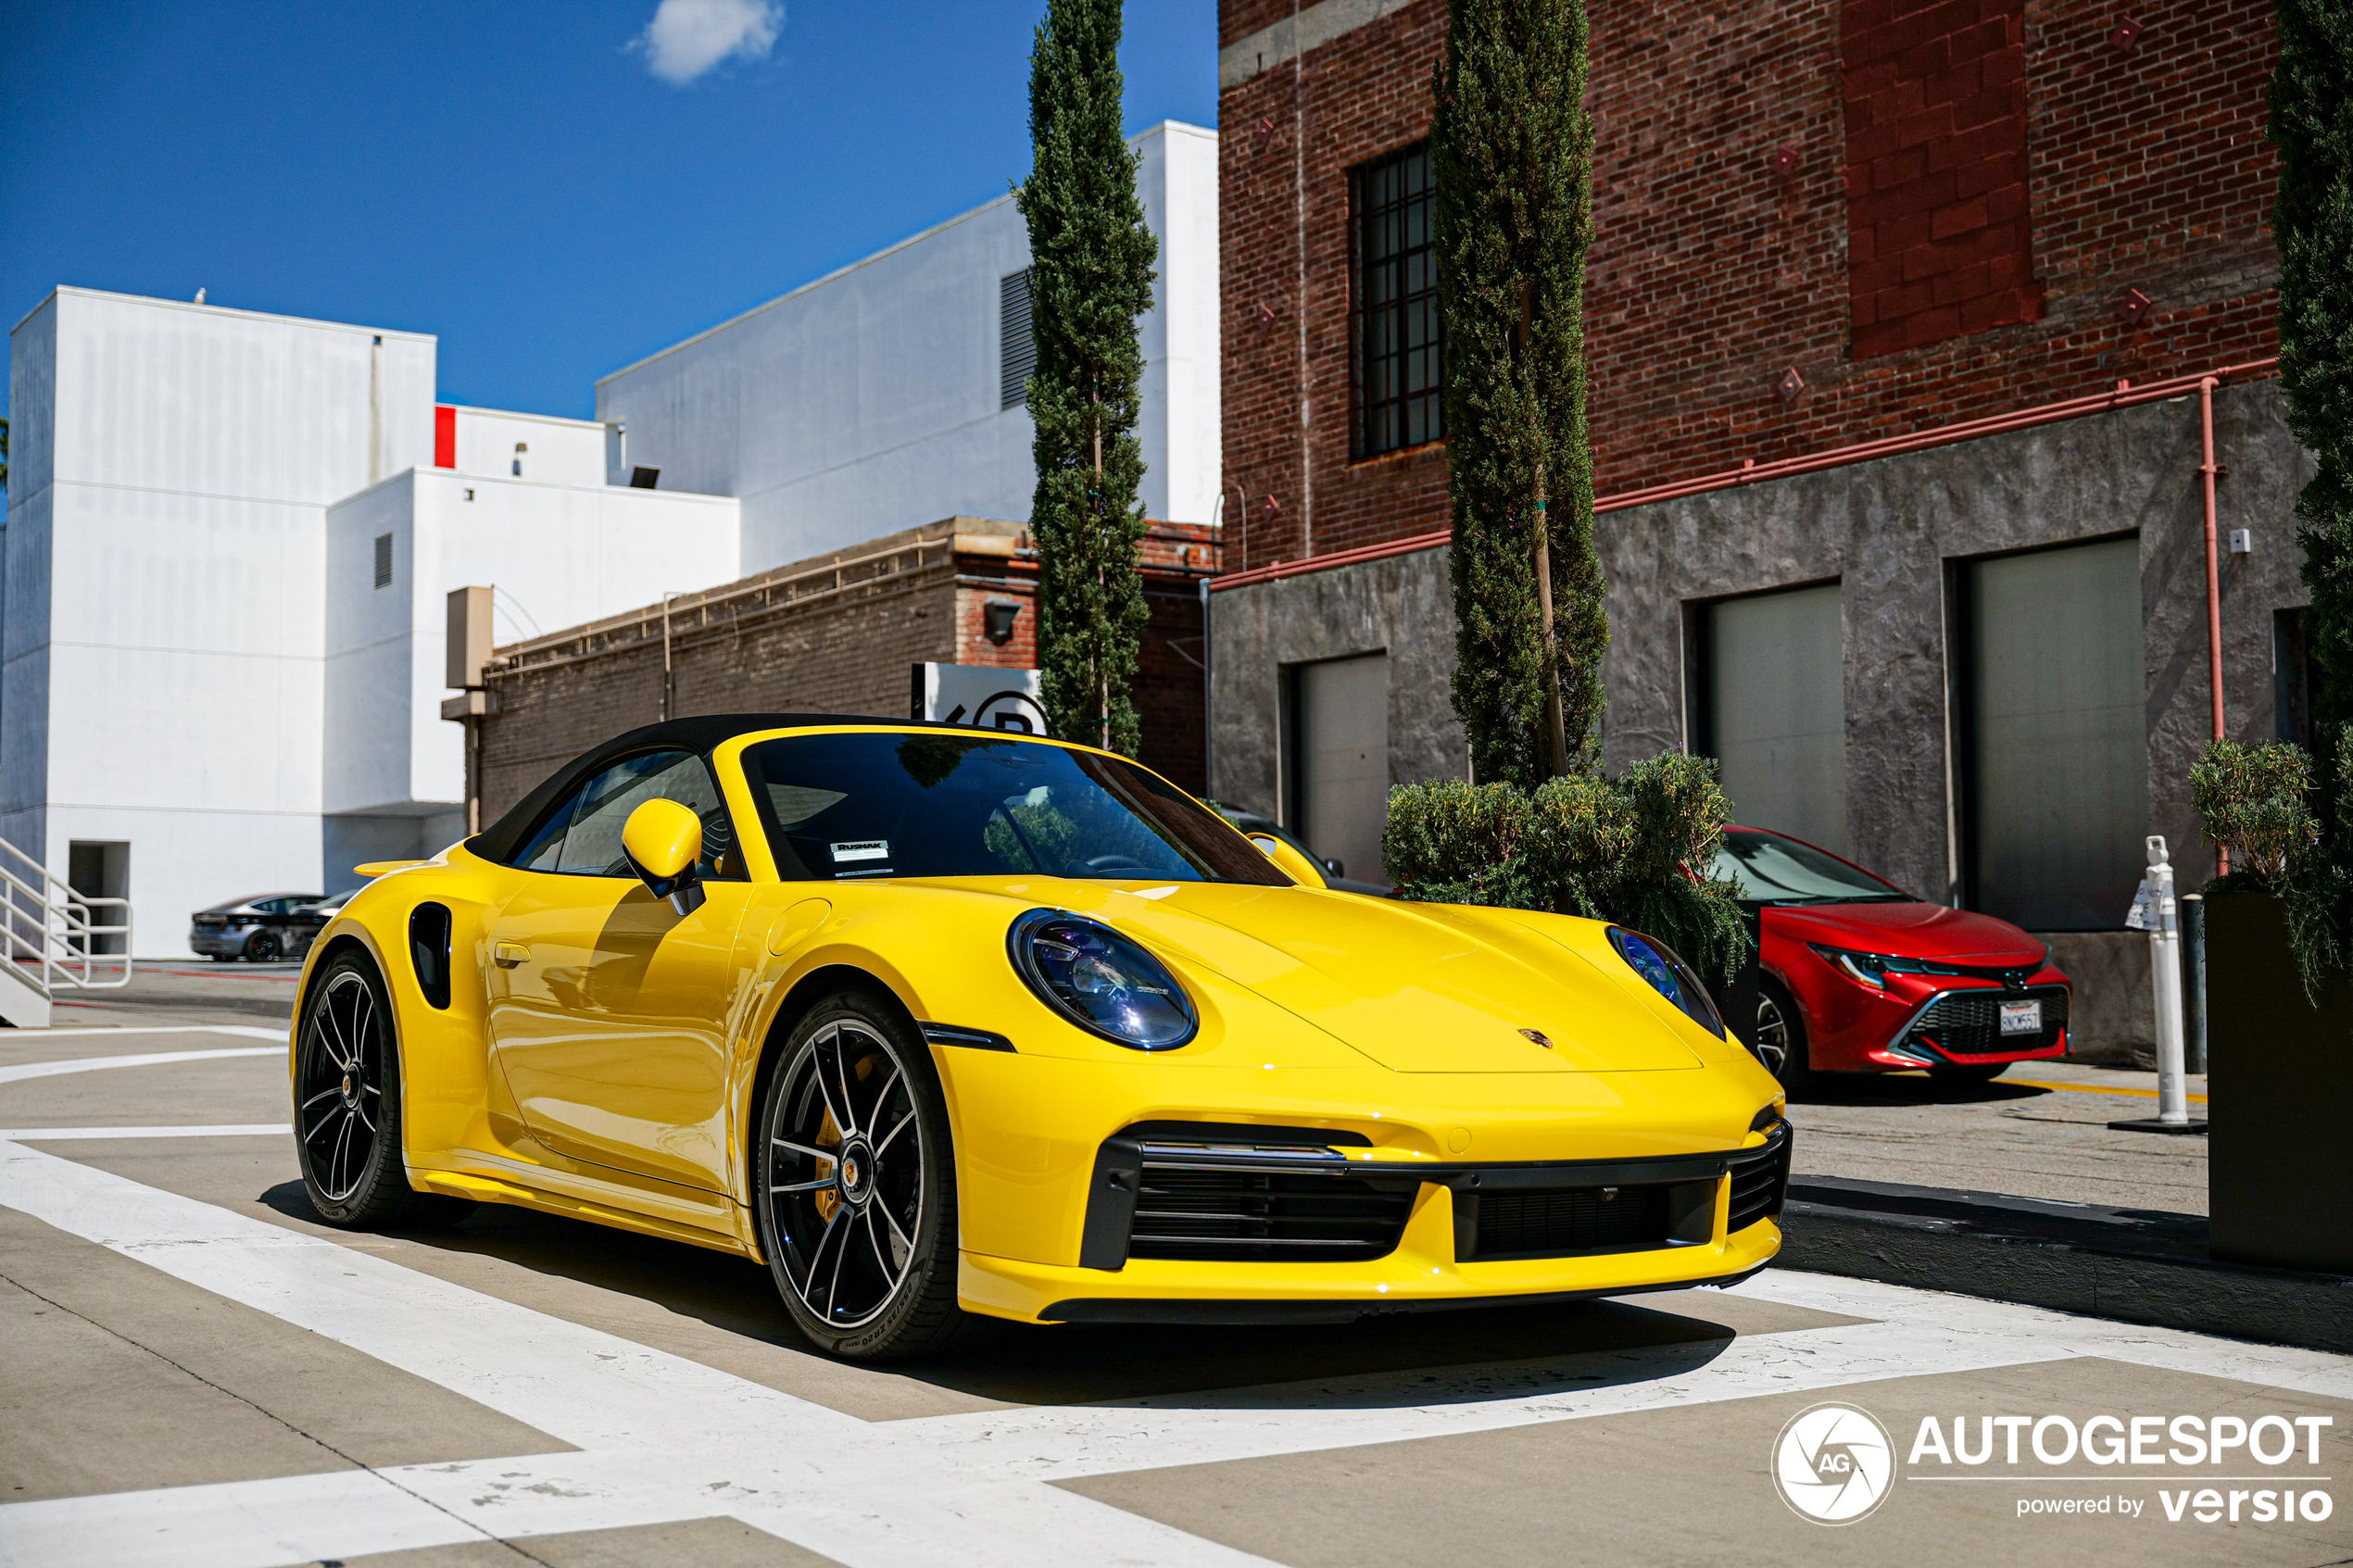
[(1421, 1275), (1713, 1219)]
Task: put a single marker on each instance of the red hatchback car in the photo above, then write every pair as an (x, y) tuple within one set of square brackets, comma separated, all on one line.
[(1859, 976)]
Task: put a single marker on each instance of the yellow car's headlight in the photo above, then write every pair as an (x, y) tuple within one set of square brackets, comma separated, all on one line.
[(1669, 975), (1100, 980)]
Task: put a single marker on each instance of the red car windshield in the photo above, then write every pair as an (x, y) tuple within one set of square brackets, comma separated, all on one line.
[(1775, 869)]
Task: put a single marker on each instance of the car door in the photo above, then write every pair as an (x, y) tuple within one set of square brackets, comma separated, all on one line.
[(608, 1009)]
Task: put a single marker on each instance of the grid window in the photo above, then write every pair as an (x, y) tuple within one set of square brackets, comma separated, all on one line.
[(1016, 350), (1401, 366), (384, 560)]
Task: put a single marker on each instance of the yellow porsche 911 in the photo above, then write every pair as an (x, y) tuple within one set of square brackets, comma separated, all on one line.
[(939, 1021)]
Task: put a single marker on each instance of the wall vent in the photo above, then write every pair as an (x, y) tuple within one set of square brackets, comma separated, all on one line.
[(1016, 350), (384, 560)]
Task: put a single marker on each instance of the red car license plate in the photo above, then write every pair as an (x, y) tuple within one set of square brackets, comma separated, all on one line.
[(2022, 1018)]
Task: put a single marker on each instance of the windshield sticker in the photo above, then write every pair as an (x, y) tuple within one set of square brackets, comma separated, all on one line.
[(862, 849)]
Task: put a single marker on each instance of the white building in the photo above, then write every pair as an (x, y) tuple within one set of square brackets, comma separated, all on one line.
[(230, 536), (560, 545), (888, 393), (201, 686)]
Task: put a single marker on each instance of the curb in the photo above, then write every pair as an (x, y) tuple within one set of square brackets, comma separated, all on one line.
[(2130, 1265)]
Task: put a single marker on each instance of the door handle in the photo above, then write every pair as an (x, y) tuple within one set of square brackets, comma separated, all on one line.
[(506, 955)]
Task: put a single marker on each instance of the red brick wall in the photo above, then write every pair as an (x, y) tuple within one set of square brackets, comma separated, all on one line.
[(1714, 272), (1363, 94), (1937, 227)]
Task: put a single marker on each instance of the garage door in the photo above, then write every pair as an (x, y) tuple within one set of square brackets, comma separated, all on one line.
[(1341, 751)]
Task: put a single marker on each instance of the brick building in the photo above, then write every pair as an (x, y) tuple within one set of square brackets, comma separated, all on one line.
[(839, 633), (1848, 258)]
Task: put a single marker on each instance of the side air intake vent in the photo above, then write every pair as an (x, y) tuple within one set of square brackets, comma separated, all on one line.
[(429, 952)]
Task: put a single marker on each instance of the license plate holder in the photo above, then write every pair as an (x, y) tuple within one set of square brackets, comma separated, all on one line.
[(2022, 1018)]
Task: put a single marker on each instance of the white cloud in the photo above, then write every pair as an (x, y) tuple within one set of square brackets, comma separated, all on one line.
[(688, 37)]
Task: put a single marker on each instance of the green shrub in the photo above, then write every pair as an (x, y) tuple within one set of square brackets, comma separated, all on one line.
[(1638, 850), (2254, 801), (1456, 843)]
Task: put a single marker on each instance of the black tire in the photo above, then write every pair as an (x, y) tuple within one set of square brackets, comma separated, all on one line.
[(1781, 1036), (1959, 1075), (262, 947), (855, 1185), (348, 1107), (224, 957)]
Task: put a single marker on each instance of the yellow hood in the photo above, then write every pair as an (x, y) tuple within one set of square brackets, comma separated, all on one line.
[(1406, 984)]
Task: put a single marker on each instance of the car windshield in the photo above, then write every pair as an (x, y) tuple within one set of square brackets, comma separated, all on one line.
[(843, 805), (1783, 870)]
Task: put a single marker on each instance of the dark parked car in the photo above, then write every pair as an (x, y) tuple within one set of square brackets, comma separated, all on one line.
[(1861, 976), (1335, 874), (260, 930)]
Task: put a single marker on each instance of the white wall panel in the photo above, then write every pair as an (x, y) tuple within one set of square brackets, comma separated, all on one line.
[(868, 401), (183, 862), (1188, 294), (198, 399), (24, 670), (369, 635), (561, 451), (164, 664), (558, 555), (32, 375)]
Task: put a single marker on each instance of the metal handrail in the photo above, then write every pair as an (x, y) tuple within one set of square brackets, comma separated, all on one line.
[(49, 933)]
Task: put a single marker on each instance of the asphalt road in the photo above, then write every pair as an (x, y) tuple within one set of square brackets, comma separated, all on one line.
[(193, 1371)]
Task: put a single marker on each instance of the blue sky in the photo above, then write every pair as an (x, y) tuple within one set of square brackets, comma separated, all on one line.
[(553, 190)]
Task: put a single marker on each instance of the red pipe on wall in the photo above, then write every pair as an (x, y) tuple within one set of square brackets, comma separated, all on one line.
[(2213, 579)]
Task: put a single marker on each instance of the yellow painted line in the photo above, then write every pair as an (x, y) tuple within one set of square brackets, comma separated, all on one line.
[(2088, 1089)]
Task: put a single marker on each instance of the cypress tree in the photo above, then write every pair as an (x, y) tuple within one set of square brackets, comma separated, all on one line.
[(1511, 151), (2311, 122), (1091, 276)]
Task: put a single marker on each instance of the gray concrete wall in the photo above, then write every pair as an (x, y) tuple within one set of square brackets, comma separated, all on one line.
[(1886, 532), (1402, 607)]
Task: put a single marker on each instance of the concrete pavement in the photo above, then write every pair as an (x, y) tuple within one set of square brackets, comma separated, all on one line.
[(2038, 1131), (194, 1372)]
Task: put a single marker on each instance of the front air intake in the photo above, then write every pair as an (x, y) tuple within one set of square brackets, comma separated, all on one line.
[(1760, 1180), (1261, 1206), (1218, 1193)]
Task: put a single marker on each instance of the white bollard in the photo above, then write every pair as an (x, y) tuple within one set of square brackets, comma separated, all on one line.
[(2165, 974)]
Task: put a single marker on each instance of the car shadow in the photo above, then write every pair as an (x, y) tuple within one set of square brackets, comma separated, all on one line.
[(1473, 1354), (1910, 1089)]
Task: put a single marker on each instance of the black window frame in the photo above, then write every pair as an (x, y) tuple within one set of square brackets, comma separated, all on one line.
[(732, 870), (1383, 193)]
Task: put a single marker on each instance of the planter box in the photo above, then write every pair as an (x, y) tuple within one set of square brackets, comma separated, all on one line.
[(2280, 1096)]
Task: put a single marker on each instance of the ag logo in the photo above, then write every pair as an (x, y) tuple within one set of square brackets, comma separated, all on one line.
[(1833, 1463)]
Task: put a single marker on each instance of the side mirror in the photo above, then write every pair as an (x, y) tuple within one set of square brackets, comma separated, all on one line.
[(1332, 866), (1291, 863), (662, 843)]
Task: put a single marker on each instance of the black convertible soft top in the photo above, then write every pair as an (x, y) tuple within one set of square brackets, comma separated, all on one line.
[(701, 735)]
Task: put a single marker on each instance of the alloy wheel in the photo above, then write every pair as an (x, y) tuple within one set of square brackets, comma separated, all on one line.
[(844, 1170), (341, 1104), (1772, 1035), (263, 948)]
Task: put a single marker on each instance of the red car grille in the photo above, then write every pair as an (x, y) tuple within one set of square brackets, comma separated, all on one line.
[(1969, 1023)]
